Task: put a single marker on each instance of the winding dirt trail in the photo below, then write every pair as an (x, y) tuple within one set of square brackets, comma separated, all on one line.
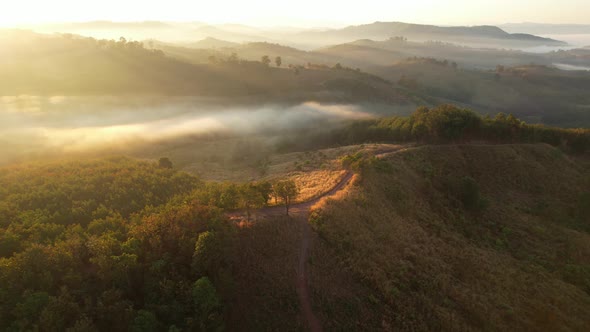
[(300, 212)]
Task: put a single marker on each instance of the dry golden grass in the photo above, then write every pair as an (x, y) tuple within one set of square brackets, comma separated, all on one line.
[(521, 264), (340, 195), (315, 172), (315, 183)]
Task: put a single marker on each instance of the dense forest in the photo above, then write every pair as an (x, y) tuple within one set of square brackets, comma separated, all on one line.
[(118, 244), (451, 124)]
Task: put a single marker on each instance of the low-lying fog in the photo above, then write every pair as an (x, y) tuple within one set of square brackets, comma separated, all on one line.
[(565, 66), (34, 126)]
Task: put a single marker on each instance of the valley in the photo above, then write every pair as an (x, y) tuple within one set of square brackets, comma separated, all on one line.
[(375, 175)]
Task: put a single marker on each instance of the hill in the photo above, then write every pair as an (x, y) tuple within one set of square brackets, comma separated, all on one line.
[(434, 237), (366, 52), (463, 237), (35, 64), (474, 35), (537, 94)]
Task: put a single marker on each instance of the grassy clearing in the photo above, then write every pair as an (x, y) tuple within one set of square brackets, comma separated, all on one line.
[(520, 262), (314, 172)]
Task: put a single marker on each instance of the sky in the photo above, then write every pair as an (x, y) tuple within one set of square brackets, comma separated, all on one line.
[(302, 13)]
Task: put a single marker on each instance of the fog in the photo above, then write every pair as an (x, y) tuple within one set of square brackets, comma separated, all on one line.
[(32, 126), (564, 66)]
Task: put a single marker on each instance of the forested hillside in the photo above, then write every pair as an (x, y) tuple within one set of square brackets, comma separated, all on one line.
[(35, 64), (416, 243), (451, 124), (107, 245)]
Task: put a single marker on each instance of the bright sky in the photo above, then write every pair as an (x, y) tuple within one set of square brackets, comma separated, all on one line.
[(298, 12)]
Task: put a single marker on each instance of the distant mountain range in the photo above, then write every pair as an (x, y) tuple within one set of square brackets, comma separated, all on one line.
[(191, 32), (475, 35)]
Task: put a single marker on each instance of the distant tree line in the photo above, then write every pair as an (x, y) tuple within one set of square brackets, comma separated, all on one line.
[(451, 124)]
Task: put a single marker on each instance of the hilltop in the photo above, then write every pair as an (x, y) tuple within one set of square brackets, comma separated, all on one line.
[(460, 237), (474, 35)]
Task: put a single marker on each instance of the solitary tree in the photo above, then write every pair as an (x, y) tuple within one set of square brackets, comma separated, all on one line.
[(278, 61), (287, 191), (265, 60)]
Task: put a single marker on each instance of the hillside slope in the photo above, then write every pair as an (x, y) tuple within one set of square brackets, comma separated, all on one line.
[(465, 237), (468, 35), (35, 64)]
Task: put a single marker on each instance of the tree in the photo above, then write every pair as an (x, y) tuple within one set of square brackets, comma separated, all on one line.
[(144, 321), (265, 190), (229, 199), (207, 305), (165, 163), (250, 198), (265, 60), (287, 191), (278, 61), (207, 254)]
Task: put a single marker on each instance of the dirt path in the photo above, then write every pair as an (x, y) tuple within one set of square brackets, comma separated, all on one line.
[(302, 284), (300, 212)]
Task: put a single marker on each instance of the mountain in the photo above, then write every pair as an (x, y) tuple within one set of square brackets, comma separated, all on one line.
[(212, 43), (475, 35)]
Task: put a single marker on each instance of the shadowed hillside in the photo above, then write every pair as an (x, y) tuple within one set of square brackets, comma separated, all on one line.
[(36, 64), (468, 237)]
